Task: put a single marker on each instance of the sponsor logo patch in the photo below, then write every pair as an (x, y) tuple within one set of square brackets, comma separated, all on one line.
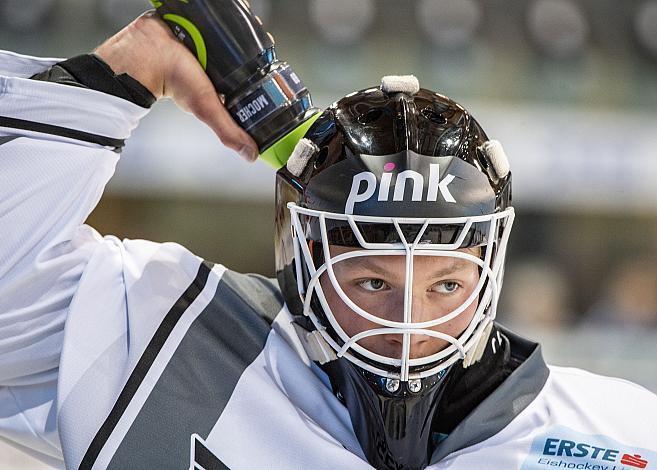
[(390, 179), (562, 447)]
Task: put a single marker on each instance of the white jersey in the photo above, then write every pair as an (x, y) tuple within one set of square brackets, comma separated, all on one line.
[(132, 354)]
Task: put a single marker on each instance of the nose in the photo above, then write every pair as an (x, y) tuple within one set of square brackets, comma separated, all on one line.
[(419, 344), (421, 309)]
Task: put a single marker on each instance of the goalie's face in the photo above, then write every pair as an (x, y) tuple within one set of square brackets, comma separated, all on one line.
[(377, 284)]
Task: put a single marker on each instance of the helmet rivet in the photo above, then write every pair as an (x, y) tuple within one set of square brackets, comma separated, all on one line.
[(415, 385), (392, 385)]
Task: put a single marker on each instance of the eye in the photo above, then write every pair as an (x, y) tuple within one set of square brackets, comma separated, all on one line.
[(446, 287), (373, 285)]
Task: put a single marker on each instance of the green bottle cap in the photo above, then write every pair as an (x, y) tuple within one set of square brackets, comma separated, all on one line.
[(279, 152)]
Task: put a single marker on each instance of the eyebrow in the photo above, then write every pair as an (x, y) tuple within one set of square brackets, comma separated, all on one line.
[(369, 264), (457, 265)]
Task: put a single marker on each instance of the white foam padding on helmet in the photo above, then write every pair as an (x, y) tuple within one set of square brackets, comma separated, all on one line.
[(495, 152), (400, 84), (315, 345), (474, 355), (300, 155)]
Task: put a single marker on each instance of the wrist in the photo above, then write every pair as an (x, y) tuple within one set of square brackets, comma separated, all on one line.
[(134, 51), (90, 71)]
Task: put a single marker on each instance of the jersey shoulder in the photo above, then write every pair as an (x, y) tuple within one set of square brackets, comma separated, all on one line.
[(597, 405), (584, 384), (578, 420)]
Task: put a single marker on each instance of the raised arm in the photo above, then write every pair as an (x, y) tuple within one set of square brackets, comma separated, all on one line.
[(60, 139)]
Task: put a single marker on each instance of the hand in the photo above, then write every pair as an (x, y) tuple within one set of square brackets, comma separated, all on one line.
[(147, 50)]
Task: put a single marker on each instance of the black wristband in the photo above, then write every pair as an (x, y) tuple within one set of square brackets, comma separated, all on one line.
[(90, 71)]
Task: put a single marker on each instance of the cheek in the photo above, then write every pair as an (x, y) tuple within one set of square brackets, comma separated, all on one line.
[(350, 321), (458, 325)]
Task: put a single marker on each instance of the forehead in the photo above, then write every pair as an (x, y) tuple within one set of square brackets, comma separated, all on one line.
[(396, 264)]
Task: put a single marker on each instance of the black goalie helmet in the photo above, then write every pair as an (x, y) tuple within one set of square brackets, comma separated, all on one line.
[(392, 190)]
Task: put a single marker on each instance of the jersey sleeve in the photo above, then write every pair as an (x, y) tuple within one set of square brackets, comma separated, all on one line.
[(58, 148)]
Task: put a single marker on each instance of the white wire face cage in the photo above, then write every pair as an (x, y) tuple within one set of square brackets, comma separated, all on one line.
[(497, 228)]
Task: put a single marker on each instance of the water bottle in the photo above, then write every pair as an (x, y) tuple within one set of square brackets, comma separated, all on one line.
[(263, 94)]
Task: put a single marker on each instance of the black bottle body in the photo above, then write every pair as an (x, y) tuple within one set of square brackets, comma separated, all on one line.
[(263, 94)]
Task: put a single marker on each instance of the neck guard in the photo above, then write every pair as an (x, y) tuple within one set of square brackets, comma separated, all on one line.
[(397, 430)]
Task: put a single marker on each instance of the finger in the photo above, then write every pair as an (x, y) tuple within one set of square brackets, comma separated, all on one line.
[(211, 111), (192, 90)]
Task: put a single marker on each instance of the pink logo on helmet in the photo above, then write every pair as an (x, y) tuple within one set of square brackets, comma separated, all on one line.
[(360, 193)]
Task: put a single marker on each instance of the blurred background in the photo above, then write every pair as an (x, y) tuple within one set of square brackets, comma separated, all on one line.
[(568, 86)]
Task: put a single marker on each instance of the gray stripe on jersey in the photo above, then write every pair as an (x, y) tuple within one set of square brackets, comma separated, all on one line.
[(497, 410), (199, 380)]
